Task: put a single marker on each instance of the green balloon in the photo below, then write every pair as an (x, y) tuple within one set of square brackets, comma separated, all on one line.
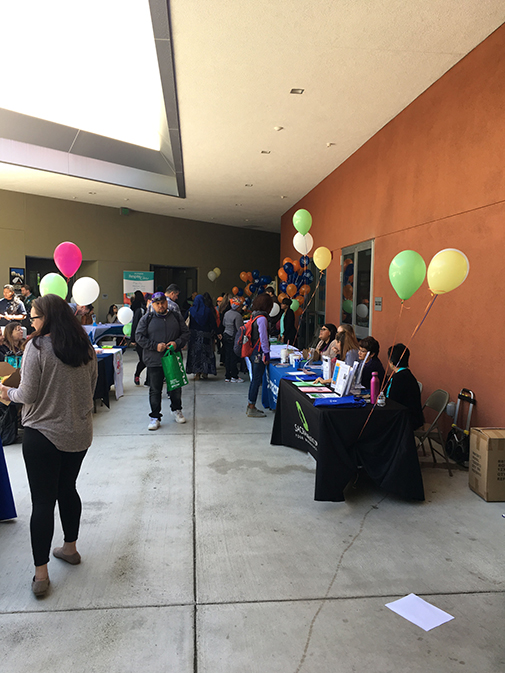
[(347, 305), (295, 305), (53, 283), (127, 329), (407, 272), (302, 221)]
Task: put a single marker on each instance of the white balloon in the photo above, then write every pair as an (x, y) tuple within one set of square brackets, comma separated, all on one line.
[(212, 276), (362, 310), (85, 291), (275, 310), (303, 244), (125, 315)]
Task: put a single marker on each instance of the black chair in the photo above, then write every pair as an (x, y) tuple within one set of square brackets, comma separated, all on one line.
[(437, 402)]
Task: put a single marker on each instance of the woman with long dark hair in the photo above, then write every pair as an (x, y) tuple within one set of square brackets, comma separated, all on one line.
[(58, 379), (14, 338), (139, 308), (261, 308)]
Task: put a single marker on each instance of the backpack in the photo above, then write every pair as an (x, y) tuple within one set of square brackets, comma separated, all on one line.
[(243, 346)]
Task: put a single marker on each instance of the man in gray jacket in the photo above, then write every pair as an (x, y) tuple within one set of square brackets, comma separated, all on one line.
[(156, 331)]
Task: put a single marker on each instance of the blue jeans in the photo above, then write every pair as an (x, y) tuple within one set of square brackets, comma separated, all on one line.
[(258, 369)]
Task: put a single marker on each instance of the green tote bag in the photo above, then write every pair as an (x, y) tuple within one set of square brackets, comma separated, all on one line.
[(173, 368)]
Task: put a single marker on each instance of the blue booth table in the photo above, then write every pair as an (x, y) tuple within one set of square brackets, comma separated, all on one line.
[(105, 377), (7, 507), (97, 332), (272, 378), (344, 440)]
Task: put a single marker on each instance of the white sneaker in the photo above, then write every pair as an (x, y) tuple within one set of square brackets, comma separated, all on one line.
[(179, 416), (237, 380), (154, 424), (227, 380)]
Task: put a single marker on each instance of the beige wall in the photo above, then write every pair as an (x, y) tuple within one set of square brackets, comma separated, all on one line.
[(110, 243)]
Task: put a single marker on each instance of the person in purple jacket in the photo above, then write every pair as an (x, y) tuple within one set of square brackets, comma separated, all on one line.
[(261, 308)]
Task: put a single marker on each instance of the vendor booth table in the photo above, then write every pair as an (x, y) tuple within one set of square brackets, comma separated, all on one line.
[(110, 372), (385, 449), (98, 332), (7, 507)]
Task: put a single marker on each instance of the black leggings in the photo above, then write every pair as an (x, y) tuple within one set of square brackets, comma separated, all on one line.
[(52, 475)]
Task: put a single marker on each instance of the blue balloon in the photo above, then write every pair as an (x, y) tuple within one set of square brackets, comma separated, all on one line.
[(268, 279), (252, 287), (240, 292), (283, 286), (264, 280), (288, 268), (261, 290), (304, 260), (349, 270), (255, 274), (257, 282), (309, 277)]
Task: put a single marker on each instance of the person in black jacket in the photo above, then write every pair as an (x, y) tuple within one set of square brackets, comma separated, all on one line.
[(288, 329), (157, 330), (139, 308), (373, 364), (403, 386)]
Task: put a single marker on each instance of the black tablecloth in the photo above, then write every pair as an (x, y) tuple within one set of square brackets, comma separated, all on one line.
[(386, 448), (105, 377), (7, 507)]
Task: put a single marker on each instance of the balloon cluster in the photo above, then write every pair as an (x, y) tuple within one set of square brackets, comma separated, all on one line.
[(295, 278), (255, 283), (215, 273), (303, 241), (68, 259), (447, 270)]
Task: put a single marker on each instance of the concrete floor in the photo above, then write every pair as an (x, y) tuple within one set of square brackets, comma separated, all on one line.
[(203, 550)]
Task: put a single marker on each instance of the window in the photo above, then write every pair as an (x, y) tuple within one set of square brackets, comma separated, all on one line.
[(356, 277)]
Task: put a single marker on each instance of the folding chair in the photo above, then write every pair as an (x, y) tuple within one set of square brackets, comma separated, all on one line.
[(437, 401)]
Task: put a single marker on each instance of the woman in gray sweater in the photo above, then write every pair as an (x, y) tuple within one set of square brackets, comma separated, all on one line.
[(58, 379)]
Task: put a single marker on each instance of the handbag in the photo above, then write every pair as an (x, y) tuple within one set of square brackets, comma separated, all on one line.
[(173, 368)]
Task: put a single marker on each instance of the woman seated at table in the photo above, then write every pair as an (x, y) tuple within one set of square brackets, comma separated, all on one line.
[(403, 386), (341, 349), (373, 364), (327, 334), (4, 349), (351, 335), (14, 339), (112, 314)]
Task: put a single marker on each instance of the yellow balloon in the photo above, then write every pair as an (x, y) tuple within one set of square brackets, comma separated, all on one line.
[(217, 271), (322, 258), (447, 270)]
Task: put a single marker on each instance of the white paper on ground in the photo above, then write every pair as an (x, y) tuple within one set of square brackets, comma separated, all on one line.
[(419, 612)]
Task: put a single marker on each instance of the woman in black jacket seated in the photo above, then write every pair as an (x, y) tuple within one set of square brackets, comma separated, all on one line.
[(403, 386), (373, 364)]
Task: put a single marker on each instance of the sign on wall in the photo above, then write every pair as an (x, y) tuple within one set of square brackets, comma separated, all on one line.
[(137, 280), (17, 278)]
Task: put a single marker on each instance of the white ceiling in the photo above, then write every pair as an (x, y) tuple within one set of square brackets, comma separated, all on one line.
[(360, 62)]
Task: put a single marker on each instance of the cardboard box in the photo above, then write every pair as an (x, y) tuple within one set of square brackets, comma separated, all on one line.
[(486, 467), (9, 376)]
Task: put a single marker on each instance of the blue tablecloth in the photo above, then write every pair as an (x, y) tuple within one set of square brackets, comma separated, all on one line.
[(7, 507), (272, 377)]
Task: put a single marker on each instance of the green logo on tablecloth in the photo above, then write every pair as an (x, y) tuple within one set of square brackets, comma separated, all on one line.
[(302, 417)]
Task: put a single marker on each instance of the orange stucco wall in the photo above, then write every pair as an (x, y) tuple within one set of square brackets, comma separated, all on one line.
[(433, 178)]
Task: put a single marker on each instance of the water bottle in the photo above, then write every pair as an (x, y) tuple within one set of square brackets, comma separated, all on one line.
[(381, 400), (93, 316), (374, 387)]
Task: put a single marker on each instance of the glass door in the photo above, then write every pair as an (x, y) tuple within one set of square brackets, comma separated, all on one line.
[(356, 278)]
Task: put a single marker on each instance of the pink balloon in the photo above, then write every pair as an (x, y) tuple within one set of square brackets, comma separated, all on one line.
[(67, 258)]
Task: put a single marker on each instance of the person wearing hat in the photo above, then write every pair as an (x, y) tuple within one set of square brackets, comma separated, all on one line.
[(11, 308), (232, 321), (157, 330)]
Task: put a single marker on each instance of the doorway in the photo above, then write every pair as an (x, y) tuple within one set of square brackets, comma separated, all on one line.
[(356, 274), (185, 277)]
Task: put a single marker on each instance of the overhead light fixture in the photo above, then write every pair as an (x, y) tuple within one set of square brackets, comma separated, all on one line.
[(330, 144), (297, 91), (278, 128)]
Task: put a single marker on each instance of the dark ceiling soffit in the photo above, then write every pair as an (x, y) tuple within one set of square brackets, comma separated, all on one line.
[(163, 166)]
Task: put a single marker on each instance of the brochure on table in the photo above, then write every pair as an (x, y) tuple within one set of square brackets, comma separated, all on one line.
[(344, 377)]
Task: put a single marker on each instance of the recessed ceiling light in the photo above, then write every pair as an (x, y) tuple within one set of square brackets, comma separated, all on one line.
[(330, 144), (284, 197), (91, 192), (265, 151), (278, 128), (297, 91), (249, 185)]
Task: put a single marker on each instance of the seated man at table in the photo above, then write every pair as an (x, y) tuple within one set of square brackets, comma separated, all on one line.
[(373, 364), (11, 308), (403, 386)]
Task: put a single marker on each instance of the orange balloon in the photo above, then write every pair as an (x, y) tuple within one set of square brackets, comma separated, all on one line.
[(281, 296), (300, 298), (247, 291), (243, 276), (299, 312), (347, 262), (305, 289), (351, 278), (234, 290), (347, 291), (286, 260), (296, 265), (282, 274), (250, 277), (291, 290)]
